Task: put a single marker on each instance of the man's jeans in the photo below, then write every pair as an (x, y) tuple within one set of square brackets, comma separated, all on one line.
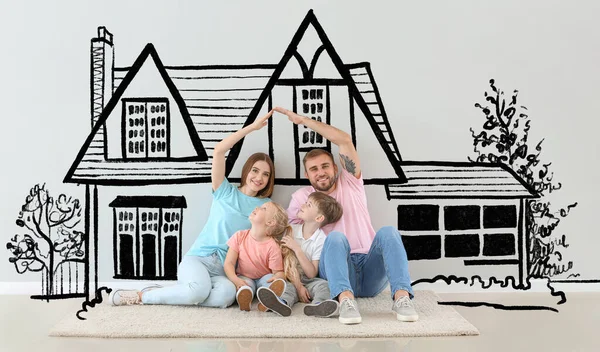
[(365, 275), (200, 281)]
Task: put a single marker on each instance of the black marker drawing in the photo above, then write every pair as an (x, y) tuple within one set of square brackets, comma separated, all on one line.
[(504, 139), (50, 241), (154, 127)]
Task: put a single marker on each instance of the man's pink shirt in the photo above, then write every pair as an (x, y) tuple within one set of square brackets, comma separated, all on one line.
[(355, 223)]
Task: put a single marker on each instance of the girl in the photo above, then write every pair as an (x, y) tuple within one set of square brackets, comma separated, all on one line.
[(255, 258), (201, 279)]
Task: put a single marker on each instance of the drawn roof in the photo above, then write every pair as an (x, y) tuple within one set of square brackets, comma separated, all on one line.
[(91, 166), (428, 179), (219, 100)]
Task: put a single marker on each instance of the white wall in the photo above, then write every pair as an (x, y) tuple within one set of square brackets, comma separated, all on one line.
[(431, 60)]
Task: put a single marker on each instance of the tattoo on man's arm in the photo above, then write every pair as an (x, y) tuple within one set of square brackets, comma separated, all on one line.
[(349, 164)]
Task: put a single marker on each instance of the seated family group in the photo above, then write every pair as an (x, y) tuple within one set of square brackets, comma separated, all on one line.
[(322, 251)]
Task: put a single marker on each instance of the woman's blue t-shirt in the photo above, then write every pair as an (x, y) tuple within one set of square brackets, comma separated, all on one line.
[(228, 214)]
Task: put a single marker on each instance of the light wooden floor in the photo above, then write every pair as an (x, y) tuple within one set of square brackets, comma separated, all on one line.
[(576, 327)]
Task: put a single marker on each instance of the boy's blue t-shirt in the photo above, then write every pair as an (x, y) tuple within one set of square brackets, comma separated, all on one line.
[(228, 214)]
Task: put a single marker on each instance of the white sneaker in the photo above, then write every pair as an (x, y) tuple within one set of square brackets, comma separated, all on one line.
[(119, 297)]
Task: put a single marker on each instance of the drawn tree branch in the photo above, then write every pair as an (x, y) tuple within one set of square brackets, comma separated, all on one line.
[(504, 139), (50, 235)]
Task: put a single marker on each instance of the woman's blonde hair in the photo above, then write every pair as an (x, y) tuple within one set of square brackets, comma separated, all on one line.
[(277, 231)]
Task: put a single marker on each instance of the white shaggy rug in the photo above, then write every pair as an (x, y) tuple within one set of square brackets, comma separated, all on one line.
[(178, 321)]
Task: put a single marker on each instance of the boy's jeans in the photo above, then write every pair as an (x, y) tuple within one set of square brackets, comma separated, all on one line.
[(200, 281), (365, 275)]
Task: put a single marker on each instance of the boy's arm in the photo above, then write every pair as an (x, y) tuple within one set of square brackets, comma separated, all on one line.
[(348, 154), (229, 267)]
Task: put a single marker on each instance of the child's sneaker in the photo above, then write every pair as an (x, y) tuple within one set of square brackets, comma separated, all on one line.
[(405, 309), (271, 301), (278, 287), (244, 298), (323, 309), (119, 297)]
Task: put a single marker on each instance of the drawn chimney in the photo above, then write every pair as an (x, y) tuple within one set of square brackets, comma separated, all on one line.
[(102, 65)]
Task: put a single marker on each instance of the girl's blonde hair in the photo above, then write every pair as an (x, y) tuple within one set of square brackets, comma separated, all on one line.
[(277, 231)]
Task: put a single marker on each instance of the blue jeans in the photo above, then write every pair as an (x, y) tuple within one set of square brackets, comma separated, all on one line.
[(254, 284), (200, 281), (365, 275)]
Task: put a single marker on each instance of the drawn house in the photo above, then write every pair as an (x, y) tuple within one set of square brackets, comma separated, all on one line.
[(154, 128)]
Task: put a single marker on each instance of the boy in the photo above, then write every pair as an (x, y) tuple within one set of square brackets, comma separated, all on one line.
[(307, 244)]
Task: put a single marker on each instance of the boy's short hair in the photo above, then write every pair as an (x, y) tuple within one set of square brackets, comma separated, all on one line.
[(332, 210)]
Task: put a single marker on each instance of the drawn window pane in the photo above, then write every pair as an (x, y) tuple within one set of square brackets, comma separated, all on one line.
[(422, 217), (456, 246), (423, 246), (134, 131), (159, 135), (499, 216), (498, 244), (463, 217), (311, 104)]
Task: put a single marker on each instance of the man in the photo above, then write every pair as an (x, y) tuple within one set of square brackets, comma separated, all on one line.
[(356, 261)]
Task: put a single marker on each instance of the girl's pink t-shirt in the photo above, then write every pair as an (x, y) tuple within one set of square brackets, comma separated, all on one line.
[(255, 259)]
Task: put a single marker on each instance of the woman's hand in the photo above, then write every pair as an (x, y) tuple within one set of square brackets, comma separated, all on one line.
[(261, 122), (292, 116)]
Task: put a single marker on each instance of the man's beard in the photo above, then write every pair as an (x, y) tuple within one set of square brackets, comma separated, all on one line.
[(327, 187)]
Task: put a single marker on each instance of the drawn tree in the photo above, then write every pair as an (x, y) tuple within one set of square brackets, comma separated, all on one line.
[(49, 241), (504, 139)]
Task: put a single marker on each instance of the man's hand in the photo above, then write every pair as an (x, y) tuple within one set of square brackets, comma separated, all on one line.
[(261, 122), (292, 116), (303, 294), (290, 243)]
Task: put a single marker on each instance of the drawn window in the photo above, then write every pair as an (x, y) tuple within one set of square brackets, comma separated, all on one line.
[(421, 217), (499, 244), (462, 217), (420, 247), (148, 234), (456, 246), (499, 216), (312, 103), (146, 133)]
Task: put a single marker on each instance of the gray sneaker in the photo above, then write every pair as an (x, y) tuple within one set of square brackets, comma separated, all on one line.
[(405, 309), (349, 313)]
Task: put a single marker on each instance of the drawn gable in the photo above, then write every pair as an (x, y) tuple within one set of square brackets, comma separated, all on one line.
[(147, 121)]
